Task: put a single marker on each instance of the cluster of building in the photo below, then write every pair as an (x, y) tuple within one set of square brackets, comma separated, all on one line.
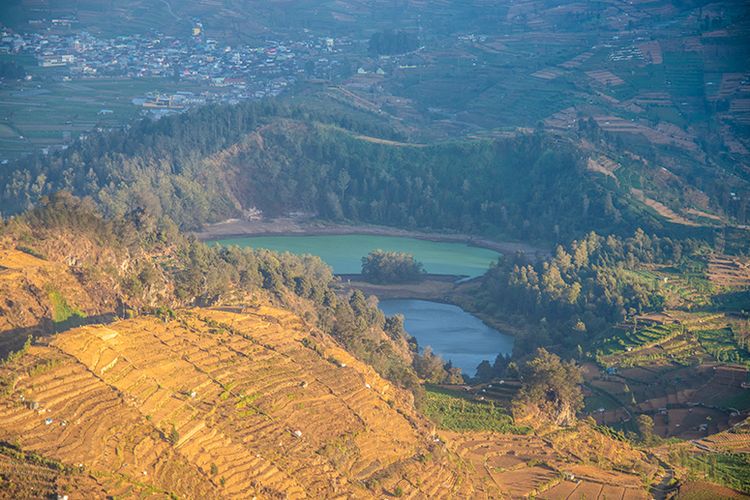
[(242, 71)]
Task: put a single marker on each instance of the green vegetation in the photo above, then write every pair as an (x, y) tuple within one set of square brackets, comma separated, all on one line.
[(458, 413), (61, 310), (728, 469), (14, 451), (391, 267), (173, 436), (362, 328), (722, 345), (550, 391), (639, 337), (9, 70), (13, 356), (314, 161), (48, 116), (580, 292), (160, 259), (433, 369), (392, 42)]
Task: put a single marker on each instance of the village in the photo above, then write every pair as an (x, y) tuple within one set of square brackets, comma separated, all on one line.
[(228, 73)]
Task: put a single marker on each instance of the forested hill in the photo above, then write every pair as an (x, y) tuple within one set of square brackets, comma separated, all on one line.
[(215, 162)]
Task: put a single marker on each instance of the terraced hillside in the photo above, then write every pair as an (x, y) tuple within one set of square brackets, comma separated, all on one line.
[(224, 402), (578, 463), (28, 475), (216, 403)]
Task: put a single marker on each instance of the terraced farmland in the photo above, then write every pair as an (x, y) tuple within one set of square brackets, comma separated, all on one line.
[(674, 339), (730, 272), (633, 345), (224, 403), (553, 466), (216, 404), (27, 475)]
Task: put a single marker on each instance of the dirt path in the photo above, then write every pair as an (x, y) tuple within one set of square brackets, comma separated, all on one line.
[(299, 226), (387, 142), (665, 488), (436, 288), (169, 9)]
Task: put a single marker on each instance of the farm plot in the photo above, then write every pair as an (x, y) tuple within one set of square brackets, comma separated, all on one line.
[(29, 475), (729, 271), (65, 413), (547, 467), (218, 403), (728, 441), (721, 344), (631, 346), (36, 118)]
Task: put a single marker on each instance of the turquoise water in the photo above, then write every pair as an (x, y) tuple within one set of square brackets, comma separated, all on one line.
[(344, 252), (453, 333)]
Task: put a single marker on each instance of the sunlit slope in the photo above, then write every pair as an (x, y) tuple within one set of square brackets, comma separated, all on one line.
[(575, 463), (31, 281), (216, 404)]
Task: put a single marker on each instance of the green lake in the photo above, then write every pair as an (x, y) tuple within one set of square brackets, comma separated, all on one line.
[(344, 252)]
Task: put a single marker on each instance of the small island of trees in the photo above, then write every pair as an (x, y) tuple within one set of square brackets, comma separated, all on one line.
[(391, 267)]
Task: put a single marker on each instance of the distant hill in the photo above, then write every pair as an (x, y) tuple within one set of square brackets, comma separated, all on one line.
[(217, 162)]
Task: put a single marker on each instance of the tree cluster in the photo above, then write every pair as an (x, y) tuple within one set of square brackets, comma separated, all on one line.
[(145, 264), (392, 42), (313, 161), (10, 70), (431, 368), (583, 287), (391, 267), (359, 325), (550, 391)]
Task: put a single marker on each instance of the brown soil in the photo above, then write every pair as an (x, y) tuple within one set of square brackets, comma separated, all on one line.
[(435, 288), (386, 142), (662, 209), (729, 271), (701, 490), (550, 466), (255, 404), (231, 403)]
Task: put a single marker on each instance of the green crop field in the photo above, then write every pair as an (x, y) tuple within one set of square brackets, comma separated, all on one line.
[(456, 413), (728, 469), (33, 116), (722, 346)]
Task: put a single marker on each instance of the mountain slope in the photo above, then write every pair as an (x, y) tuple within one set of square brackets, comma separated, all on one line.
[(214, 403), (221, 162)]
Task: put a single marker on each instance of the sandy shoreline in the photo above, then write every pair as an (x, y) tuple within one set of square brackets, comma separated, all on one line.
[(310, 227)]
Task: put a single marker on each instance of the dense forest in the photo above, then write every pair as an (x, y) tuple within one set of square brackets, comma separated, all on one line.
[(584, 287), (216, 162), (10, 70)]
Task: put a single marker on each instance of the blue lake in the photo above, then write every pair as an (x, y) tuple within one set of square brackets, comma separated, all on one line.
[(452, 333)]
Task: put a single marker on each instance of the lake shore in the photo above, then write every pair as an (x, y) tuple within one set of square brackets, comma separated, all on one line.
[(303, 226), (434, 287)]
